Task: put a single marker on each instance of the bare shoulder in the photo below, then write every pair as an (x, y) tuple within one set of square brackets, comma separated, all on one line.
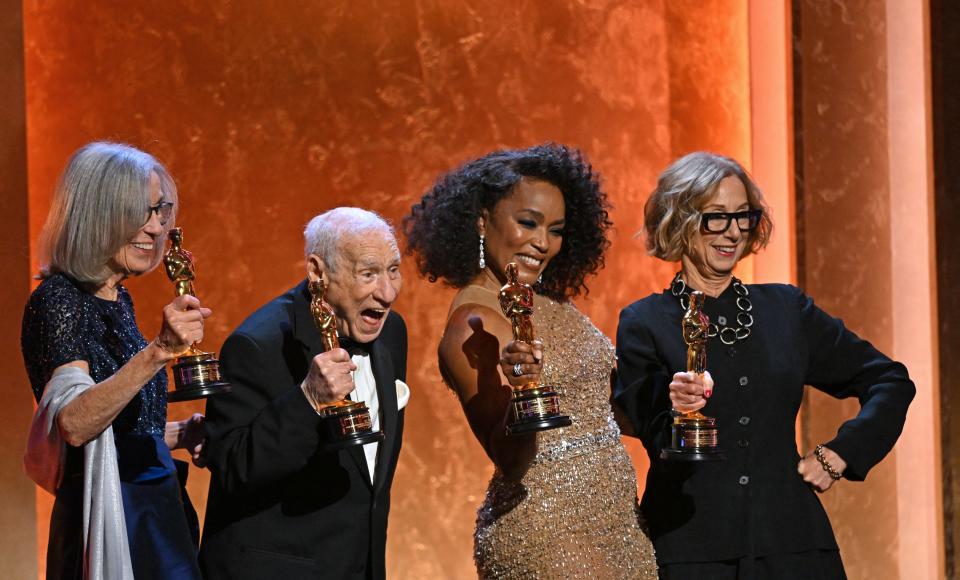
[(475, 309), (468, 321), (469, 351)]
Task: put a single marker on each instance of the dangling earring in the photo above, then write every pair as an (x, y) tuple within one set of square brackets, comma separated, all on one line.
[(482, 263), (540, 279)]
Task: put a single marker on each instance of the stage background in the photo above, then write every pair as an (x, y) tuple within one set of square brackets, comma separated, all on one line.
[(268, 115)]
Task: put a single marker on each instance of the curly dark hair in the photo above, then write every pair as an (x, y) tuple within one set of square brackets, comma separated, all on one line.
[(442, 231)]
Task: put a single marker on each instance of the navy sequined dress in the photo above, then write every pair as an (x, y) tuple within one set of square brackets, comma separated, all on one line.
[(64, 323)]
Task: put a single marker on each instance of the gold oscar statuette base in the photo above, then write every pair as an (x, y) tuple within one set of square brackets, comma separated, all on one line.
[(536, 408), (693, 437), (347, 423), (197, 376)]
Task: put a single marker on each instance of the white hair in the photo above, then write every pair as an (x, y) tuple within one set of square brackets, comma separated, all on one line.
[(100, 202), (323, 233)]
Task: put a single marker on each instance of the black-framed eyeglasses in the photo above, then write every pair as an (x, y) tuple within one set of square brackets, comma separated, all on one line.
[(164, 211), (717, 223)]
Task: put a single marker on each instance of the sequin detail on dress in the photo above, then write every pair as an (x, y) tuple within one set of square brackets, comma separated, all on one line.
[(574, 514), (63, 323)]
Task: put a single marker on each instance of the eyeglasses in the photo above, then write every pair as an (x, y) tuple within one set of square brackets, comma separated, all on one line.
[(717, 223), (164, 211)]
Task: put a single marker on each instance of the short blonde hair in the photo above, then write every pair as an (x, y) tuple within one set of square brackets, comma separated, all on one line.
[(98, 206), (673, 213)]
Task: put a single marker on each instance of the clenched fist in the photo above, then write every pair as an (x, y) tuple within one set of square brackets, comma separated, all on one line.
[(182, 324), (529, 357), (815, 474), (689, 391), (329, 378)]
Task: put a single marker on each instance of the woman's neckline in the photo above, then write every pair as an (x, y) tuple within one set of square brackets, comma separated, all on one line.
[(88, 290), (727, 291), (487, 280), (727, 284)]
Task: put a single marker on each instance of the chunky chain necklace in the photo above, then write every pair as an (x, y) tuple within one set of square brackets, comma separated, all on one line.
[(727, 334)]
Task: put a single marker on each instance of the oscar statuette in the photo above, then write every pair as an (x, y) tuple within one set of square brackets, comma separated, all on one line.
[(535, 407), (693, 435), (344, 423), (196, 374)]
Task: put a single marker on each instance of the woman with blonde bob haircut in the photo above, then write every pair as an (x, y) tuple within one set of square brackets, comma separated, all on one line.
[(99, 440), (672, 214), (755, 514)]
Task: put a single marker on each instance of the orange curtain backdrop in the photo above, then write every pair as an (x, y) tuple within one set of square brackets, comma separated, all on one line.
[(267, 116)]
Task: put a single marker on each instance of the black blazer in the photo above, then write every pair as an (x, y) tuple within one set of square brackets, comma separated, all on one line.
[(279, 505), (754, 503)]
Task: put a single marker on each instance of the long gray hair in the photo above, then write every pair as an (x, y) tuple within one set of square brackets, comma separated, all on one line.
[(99, 204)]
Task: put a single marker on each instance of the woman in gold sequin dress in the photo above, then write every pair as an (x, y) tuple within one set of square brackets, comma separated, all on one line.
[(562, 503)]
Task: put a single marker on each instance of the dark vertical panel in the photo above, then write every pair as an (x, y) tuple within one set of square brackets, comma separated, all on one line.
[(945, 59), (796, 22), (17, 506)]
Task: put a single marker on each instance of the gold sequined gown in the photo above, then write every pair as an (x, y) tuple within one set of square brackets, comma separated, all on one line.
[(574, 514)]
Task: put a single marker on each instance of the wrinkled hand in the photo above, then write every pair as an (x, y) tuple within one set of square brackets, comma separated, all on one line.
[(188, 434), (689, 391), (329, 379), (528, 356), (182, 324), (814, 473)]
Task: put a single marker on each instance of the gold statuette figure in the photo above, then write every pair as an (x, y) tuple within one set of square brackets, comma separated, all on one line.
[(345, 422), (693, 435), (196, 374), (179, 264), (535, 407)]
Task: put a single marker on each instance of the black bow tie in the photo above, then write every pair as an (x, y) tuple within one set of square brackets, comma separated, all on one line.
[(353, 347)]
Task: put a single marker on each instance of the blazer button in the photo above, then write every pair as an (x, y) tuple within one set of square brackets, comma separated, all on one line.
[(743, 443), (744, 381), (744, 480), (731, 352), (744, 421)]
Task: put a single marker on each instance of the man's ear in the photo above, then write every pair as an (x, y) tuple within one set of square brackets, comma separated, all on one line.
[(316, 269)]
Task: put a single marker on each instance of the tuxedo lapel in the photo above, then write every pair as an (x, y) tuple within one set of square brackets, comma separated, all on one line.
[(305, 331), (384, 375)]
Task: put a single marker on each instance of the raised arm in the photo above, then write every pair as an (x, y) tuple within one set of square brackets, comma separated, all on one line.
[(264, 430), (92, 411), (470, 354)]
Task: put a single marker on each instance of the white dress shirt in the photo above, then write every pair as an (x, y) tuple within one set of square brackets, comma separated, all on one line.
[(365, 390)]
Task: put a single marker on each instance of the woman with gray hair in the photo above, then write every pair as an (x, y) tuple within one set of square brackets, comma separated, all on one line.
[(100, 441), (756, 513)]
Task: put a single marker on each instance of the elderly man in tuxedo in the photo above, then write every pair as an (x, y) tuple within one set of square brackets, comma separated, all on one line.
[(283, 503)]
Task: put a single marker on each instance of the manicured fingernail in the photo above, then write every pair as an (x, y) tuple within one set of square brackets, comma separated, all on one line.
[(707, 393)]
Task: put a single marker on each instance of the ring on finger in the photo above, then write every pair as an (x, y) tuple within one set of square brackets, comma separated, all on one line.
[(517, 371)]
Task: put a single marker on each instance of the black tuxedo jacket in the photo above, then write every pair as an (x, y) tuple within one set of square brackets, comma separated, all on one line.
[(280, 506)]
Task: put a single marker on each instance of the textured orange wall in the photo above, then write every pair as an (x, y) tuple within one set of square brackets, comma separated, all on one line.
[(267, 116), (845, 195)]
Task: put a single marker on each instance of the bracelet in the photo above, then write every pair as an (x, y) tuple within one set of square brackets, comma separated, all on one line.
[(833, 473)]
